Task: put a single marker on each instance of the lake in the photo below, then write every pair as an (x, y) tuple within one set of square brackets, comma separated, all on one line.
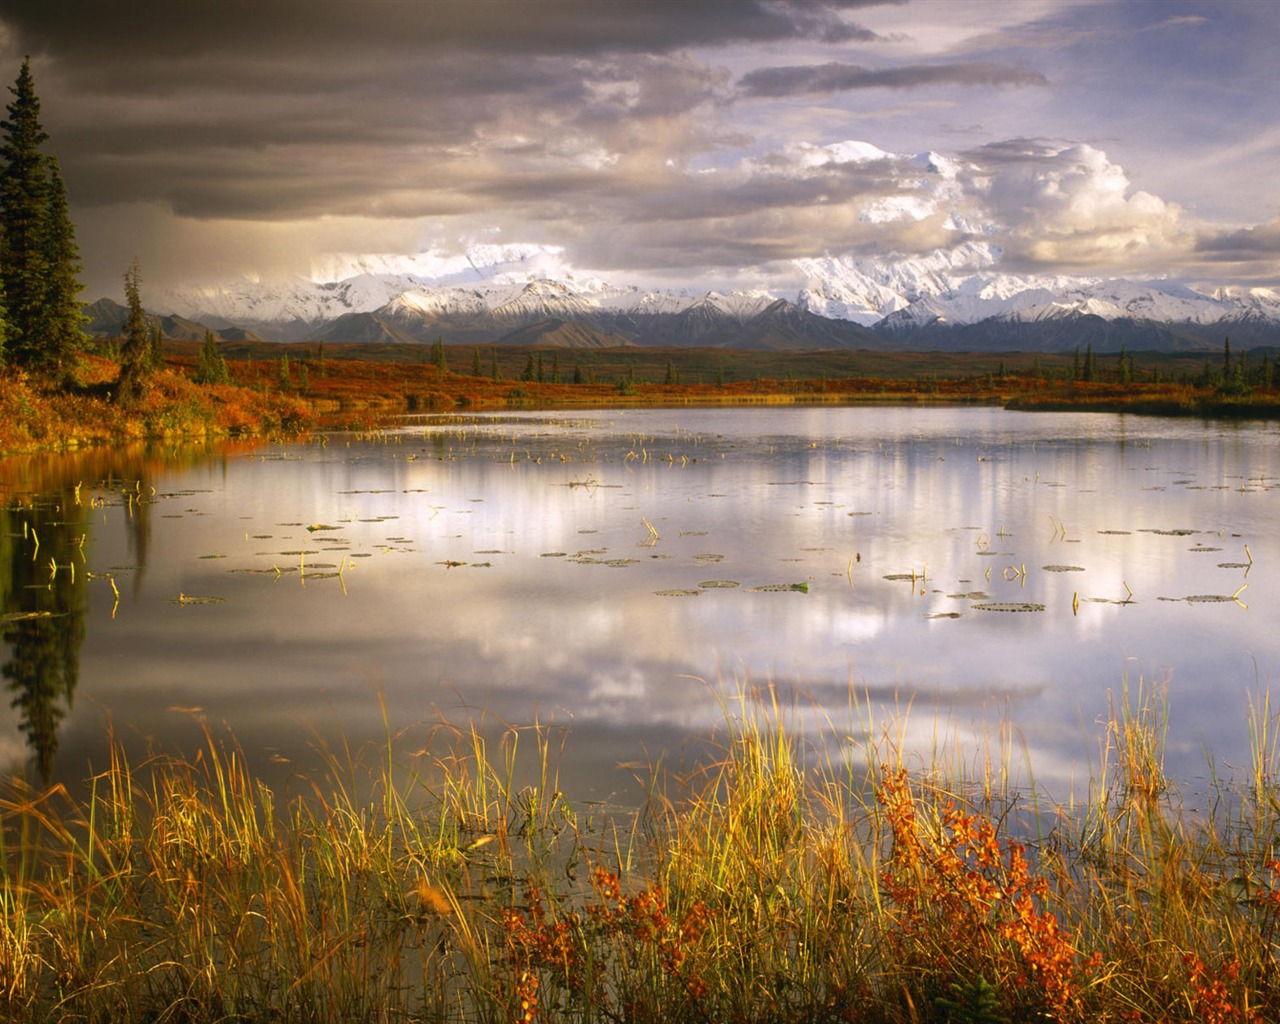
[(967, 576)]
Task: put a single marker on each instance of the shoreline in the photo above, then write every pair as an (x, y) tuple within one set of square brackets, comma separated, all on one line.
[(268, 399)]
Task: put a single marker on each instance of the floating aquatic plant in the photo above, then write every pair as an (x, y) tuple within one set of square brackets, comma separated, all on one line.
[(1008, 606)]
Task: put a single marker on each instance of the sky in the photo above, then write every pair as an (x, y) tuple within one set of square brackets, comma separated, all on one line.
[(661, 142)]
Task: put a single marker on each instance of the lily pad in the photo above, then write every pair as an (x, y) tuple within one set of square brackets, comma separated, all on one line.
[(802, 588), (1062, 568), (678, 593), (1008, 606), (943, 615), (719, 584)]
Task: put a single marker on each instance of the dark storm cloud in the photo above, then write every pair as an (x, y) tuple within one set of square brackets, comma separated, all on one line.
[(1243, 245), (633, 132), (837, 77), (165, 31), (285, 110)]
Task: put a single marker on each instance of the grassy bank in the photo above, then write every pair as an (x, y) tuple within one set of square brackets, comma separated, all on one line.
[(37, 417), (787, 881), (299, 388)]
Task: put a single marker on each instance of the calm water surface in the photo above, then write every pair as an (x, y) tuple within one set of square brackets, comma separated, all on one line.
[(617, 572)]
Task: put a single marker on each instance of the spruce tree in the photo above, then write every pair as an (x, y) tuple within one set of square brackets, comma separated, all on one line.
[(23, 208), (155, 351), (4, 313), (136, 351), (211, 368), (65, 340)]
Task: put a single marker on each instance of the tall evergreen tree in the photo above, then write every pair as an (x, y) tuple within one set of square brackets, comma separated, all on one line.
[(4, 310), (136, 352), (65, 338), (155, 347), (211, 368), (1090, 364), (24, 192)]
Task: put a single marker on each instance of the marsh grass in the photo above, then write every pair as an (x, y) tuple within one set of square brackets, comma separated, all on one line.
[(798, 874)]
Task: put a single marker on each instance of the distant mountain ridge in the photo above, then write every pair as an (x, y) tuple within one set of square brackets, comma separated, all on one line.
[(955, 299)]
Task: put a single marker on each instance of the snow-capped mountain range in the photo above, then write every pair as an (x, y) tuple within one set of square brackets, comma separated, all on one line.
[(513, 294)]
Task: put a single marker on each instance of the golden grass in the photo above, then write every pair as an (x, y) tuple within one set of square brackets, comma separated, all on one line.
[(795, 877)]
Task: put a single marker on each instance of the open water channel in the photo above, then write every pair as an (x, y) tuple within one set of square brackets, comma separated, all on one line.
[(945, 575)]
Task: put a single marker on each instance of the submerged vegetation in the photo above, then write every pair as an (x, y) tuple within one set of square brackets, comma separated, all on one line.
[(791, 878)]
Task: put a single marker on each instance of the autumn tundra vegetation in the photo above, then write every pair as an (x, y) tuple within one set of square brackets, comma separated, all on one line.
[(790, 877)]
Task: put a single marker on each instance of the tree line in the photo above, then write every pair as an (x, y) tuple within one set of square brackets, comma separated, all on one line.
[(41, 315)]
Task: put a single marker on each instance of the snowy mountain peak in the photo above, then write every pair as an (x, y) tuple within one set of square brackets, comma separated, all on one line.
[(475, 263), (935, 163), (507, 287)]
